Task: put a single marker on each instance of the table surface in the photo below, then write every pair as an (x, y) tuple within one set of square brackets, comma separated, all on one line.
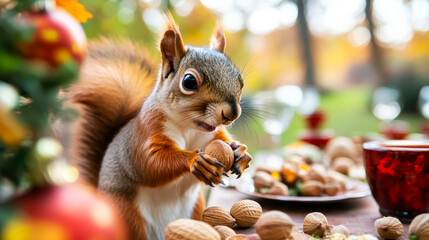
[(358, 215)]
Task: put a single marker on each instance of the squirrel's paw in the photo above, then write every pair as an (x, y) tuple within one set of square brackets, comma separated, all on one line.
[(241, 158), (208, 169)]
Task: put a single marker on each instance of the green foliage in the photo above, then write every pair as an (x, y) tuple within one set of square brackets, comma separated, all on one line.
[(38, 85)]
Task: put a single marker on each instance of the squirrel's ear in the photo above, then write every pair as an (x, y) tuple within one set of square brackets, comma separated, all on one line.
[(172, 47), (218, 41)]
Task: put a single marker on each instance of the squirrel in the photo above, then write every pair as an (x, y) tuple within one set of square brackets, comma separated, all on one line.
[(140, 134)]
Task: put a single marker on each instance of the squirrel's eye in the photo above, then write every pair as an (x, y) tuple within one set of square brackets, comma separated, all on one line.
[(189, 83)]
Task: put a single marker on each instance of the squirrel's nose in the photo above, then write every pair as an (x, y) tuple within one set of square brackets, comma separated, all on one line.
[(230, 113)]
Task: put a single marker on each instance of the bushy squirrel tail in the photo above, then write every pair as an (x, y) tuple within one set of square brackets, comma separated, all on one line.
[(115, 80)]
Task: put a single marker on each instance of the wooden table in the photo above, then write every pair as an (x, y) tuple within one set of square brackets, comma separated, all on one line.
[(358, 215)]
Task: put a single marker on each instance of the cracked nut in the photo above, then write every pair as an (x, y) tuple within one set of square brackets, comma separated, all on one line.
[(389, 227), (316, 224)]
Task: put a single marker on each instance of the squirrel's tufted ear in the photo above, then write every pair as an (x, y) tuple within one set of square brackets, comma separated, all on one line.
[(171, 46), (218, 41)]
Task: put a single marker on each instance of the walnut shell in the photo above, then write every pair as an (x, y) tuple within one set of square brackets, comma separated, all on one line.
[(332, 188), (262, 180), (316, 223), (334, 176), (188, 229), (218, 216), (311, 188), (246, 212), (341, 229), (420, 227), (224, 232), (317, 172), (278, 188), (274, 225), (341, 147), (389, 227), (222, 152), (342, 165)]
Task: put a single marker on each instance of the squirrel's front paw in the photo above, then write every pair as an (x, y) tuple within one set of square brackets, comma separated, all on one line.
[(207, 169), (241, 158)]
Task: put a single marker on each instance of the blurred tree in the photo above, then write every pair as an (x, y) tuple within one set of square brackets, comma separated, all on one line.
[(376, 51), (305, 43)]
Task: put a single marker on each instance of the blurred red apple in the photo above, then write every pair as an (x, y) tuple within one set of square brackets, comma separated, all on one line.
[(64, 212)]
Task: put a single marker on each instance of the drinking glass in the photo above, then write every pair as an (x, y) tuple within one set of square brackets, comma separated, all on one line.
[(398, 175)]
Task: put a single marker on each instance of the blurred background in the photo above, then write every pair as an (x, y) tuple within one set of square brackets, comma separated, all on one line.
[(314, 70), (331, 54)]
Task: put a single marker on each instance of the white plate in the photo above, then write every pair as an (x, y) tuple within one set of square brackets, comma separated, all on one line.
[(355, 189)]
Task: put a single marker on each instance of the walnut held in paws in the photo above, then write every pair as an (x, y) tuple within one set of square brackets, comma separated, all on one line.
[(222, 152)]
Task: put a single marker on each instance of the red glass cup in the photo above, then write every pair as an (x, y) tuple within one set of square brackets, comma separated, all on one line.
[(398, 175), (317, 138)]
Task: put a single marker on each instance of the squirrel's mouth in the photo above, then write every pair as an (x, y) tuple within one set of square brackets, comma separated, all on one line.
[(205, 126)]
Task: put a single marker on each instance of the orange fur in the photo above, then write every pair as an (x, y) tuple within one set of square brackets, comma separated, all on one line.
[(105, 101), (164, 161), (199, 207), (116, 81), (223, 135)]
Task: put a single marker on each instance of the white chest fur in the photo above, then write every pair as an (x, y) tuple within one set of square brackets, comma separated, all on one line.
[(189, 139), (162, 205)]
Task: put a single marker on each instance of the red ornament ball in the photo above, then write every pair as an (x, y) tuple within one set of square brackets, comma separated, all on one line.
[(62, 213), (57, 37)]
